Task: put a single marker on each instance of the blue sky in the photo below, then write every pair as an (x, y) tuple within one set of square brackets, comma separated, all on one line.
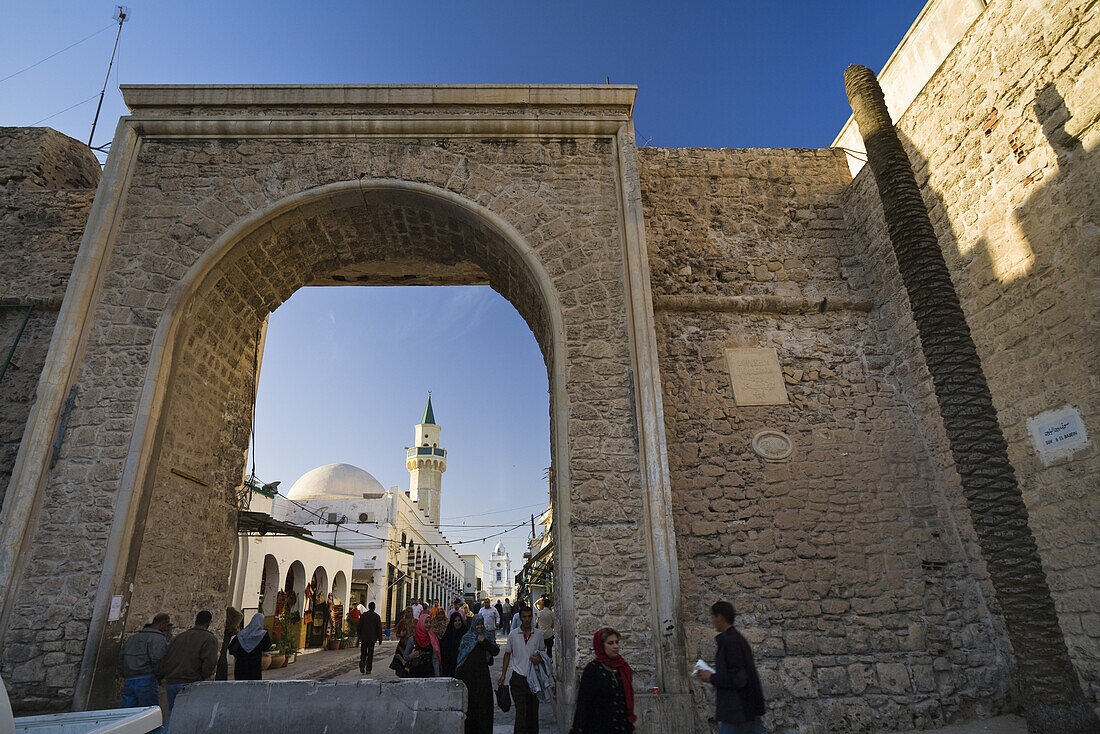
[(346, 370)]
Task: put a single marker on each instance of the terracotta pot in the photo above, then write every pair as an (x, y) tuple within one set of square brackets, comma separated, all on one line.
[(333, 644), (278, 660), (265, 661)]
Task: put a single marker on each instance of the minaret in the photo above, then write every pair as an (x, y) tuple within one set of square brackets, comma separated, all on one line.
[(500, 573), (426, 463)]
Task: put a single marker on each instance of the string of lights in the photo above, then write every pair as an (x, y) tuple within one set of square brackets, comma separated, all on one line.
[(395, 544)]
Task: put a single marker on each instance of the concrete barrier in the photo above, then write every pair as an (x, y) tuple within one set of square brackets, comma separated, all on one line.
[(436, 705)]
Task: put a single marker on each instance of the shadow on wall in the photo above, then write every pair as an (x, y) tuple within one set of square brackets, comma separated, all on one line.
[(1039, 224), (1026, 269)]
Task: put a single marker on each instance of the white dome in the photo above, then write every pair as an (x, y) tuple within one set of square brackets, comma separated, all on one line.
[(499, 551), (335, 481)]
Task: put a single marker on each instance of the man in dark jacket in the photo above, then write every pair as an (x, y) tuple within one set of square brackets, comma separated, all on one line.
[(137, 662), (740, 697), (370, 634), (192, 656)]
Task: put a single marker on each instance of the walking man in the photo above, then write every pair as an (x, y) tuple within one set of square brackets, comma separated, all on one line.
[(137, 663), (417, 608), (520, 652), (191, 657), (740, 698), (370, 634), (546, 623), (490, 615), (506, 615)]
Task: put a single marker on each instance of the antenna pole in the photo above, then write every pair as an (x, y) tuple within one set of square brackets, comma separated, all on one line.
[(121, 20)]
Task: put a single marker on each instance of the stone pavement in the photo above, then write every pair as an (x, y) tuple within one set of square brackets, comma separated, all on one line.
[(996, 725)]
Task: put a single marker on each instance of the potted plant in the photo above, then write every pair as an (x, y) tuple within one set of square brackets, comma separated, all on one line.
[(265, 661), (278, 659)]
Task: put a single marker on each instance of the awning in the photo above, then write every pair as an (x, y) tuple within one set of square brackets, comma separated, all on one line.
[(264, 524)]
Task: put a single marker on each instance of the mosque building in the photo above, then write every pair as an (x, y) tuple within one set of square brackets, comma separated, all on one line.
[(397, 549)]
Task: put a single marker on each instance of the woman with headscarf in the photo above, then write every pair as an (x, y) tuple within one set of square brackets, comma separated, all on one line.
[(404, 628), (448, 643), (437, 622), (475, 655), (605, 697), (248, 647), (422, 651), (233, 620)]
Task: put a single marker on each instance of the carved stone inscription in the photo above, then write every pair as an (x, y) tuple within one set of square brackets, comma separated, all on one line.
[(756, 377)]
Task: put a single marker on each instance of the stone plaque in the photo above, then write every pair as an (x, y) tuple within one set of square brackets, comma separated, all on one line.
[(756, 377), (1058, 434), (772, 445)]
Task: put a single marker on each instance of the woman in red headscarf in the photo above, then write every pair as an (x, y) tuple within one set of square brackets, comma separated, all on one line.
[(422, 651), (605, 698)]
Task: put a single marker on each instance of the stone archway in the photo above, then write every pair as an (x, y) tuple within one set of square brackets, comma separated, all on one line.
[(200, 393), (269, 589), (218, 203)]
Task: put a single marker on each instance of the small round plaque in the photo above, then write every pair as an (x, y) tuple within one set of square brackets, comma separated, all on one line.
[(772, 445)]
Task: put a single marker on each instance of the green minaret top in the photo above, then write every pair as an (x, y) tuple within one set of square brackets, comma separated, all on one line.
[(429, 414)]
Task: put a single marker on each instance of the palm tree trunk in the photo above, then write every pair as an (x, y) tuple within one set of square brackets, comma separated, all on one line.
[(1049, 689)]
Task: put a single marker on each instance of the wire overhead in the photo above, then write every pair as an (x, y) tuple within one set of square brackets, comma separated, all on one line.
[(394, 543), (55, 53), (70, 107)]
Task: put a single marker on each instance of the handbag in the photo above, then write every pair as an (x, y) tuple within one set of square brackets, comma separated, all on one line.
[(422, 666), (504, 698)]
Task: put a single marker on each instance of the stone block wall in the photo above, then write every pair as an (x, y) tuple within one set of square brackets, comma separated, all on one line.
[(845, 561), (562, 196), (1004, 142), (47, 183), (40, 158)]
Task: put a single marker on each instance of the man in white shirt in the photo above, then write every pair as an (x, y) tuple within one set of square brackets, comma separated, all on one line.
[(546, 624), (489, 615), (521, 650), (417, 608)]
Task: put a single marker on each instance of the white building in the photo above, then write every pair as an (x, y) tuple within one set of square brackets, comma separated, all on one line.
[(272, 555), (399, 551), (474, 589), (500, 573)]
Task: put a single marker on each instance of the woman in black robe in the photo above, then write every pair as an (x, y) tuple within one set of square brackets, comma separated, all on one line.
[(448, 644), (605, 696), (475, 654), (247, 649)]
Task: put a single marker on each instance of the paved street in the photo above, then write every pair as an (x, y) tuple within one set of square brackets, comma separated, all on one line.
[(342, 666)]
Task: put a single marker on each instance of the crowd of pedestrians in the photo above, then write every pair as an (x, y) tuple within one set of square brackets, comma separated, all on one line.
[(456, 643)]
